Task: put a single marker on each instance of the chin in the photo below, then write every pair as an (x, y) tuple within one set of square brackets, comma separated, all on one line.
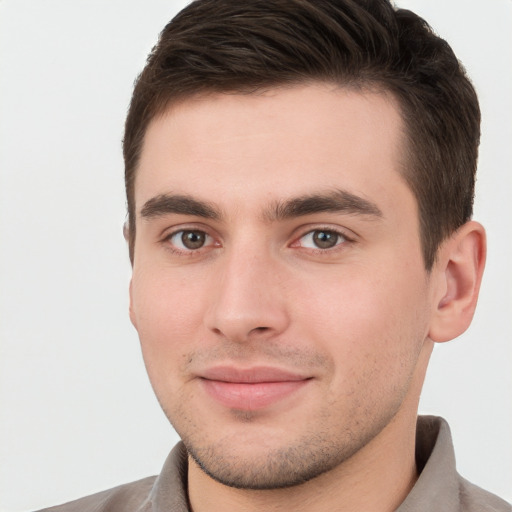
[(265, 470)]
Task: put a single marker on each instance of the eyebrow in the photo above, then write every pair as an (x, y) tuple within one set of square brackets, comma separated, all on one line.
[(166, 204), (337, 201)]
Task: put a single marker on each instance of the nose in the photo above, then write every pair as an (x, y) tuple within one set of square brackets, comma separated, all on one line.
[(249, 301)]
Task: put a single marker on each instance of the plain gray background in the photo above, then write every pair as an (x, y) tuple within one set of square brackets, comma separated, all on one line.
[(77, 413)]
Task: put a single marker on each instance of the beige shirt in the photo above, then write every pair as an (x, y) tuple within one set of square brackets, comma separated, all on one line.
[(439, 487)]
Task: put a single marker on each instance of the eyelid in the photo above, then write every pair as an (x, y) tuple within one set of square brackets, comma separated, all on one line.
[(169, 230)]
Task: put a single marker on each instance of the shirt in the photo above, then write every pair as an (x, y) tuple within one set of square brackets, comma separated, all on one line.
[(439, 487)]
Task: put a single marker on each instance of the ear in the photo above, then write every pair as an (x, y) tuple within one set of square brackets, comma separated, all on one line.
[(133, 318), (458, 273)]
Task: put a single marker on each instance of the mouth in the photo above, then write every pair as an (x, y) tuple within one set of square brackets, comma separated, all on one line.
[(251, 389)]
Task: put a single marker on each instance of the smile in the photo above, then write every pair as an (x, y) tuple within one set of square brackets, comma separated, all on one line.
[(250, 389)]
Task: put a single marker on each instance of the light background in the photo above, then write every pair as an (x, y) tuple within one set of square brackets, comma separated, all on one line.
[(77, 413)]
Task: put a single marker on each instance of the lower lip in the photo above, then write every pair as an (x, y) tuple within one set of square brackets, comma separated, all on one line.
[(251, 396)]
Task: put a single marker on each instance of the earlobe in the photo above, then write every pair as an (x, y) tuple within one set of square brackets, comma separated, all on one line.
[(458, 273)]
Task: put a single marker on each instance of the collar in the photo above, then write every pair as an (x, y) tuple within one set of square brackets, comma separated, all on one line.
[(439, 487)]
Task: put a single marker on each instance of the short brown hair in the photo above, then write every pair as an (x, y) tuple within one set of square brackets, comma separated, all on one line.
[(245, 46)]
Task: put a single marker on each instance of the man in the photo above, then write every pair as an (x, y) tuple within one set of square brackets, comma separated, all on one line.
[(300, 180)]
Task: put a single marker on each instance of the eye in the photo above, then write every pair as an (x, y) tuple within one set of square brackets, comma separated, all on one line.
[(321, 239), (190, 239)]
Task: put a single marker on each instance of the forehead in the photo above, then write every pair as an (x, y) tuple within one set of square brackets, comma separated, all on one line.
[(274, 145)]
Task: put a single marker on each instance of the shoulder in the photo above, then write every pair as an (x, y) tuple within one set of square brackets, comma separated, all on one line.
[(475, 499), (439, 486), (132, 497), (168, 491)]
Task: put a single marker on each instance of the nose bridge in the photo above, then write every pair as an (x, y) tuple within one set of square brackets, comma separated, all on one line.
[(248, 299)]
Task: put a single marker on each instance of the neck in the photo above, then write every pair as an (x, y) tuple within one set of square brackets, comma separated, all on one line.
[(376, 478)]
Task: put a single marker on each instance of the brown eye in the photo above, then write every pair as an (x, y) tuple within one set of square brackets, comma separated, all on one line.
[(189, 239), (325, 239), (321, 239), (193, 239)]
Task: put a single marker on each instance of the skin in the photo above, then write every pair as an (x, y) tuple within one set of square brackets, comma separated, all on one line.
[(355, 321)]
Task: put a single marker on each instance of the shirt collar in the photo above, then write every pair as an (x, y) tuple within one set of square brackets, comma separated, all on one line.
[(437, 487)]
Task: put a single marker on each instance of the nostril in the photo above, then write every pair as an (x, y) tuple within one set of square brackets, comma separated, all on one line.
[(261, 329)]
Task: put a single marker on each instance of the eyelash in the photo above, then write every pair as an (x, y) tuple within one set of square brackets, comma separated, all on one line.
[(186, 251), (341, 240)]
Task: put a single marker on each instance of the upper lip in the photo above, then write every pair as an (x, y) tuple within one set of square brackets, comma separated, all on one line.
[(250, 375)]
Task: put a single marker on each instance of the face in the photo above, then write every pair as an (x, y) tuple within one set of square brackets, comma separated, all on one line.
[(278, 287)]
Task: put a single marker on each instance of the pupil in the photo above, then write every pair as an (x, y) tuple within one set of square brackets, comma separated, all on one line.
[(325, 239), (193, 239)]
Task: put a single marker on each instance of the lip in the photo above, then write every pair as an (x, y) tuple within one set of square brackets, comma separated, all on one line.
[(250, 389)]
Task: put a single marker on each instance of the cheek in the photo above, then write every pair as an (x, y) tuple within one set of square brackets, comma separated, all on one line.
[(368, 322), (168, 312)]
